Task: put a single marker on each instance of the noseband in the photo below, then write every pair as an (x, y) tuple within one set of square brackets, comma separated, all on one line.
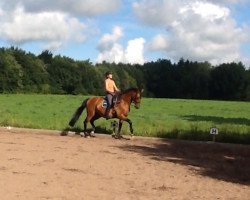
[(133, 99)]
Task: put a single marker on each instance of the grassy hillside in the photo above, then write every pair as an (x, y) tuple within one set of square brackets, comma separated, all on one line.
[(172, 118)]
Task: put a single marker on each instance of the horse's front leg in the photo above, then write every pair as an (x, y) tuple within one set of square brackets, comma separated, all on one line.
[(131, 127)]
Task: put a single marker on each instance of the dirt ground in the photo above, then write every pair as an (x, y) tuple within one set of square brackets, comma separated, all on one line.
[(41, 164)]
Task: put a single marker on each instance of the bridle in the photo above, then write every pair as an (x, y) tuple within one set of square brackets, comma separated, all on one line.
[(133, 100)]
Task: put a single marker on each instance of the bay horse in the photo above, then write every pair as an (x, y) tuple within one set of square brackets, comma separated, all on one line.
[(120, 110)]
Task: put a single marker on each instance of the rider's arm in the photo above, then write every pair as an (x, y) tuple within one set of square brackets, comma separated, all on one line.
[(116, 89)]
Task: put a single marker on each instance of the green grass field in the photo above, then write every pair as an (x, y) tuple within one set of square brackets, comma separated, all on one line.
[(171, 118)]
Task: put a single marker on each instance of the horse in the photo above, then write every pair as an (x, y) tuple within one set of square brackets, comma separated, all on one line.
[(120, 110)]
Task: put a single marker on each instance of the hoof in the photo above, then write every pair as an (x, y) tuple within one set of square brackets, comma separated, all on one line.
[(92, 134), (82, 134), (64, 133), (86, 135), (117, 136)]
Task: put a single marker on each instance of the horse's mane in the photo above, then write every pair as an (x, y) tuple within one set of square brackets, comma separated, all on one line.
[(130, 90)]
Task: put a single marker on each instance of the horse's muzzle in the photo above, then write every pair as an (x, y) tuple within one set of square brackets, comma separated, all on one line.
[(137, 106)]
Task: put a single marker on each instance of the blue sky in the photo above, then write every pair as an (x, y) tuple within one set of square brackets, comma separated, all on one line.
[(130, 31)]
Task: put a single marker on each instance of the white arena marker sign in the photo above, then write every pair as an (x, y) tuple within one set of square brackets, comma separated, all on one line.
[(214, 131)]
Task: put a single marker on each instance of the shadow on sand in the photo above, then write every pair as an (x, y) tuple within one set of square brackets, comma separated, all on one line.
[(226, 162)]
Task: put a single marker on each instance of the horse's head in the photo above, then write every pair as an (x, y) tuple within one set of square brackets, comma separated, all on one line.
[(133, 95), (136, 98)]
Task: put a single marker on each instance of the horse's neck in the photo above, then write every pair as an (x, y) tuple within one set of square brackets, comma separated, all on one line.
[(127, 98)]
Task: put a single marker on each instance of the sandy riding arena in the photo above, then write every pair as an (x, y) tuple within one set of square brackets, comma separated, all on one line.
[(40, 164)]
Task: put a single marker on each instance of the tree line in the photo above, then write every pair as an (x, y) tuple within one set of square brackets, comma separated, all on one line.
[(24, 72)]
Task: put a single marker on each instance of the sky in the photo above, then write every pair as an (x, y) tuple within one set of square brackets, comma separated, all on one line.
[(217, 31)]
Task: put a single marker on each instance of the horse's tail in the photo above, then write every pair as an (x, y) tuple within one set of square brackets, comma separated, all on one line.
[(78, 112)]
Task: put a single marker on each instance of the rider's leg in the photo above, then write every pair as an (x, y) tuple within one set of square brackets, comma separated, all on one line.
[(109, 102)]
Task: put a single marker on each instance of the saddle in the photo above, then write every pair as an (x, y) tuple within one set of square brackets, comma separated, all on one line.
[(115, 100)]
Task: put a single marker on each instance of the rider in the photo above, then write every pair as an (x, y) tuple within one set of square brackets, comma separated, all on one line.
[(110, 89)]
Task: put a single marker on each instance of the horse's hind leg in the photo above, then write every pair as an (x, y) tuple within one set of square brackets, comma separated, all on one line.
[(86, 121), (93, 126), (89, 117)]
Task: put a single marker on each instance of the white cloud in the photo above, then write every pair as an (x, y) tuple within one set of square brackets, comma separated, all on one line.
[(195, 30), (51, 23), (115, 53), (223, 2), (207, 10), (111, 51), (73, 7), (49, 27), (159, 42), (157, 12), (107, 41), (134, 51)]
